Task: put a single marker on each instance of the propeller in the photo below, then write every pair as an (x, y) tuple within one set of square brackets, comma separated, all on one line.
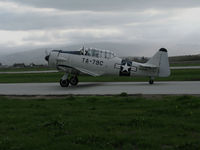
[(83, 50), (47, 55)]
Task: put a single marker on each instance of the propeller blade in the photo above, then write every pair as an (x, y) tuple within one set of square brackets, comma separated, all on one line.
[(47, 55), (47, 58)]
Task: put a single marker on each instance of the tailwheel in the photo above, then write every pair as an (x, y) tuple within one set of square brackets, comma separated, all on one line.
[(151, 81), (64, 83), (73, 80)]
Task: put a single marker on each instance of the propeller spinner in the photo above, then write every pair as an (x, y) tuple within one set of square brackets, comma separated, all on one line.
[(47, 56)]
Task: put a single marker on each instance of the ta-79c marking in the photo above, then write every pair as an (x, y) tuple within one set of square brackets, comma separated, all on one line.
[(92, 61)]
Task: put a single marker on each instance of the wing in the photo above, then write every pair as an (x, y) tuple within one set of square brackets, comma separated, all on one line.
[(76, 69), (85, 71), (61, 61)]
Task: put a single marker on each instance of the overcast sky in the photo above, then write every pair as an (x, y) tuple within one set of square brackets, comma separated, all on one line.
[(31, 24)]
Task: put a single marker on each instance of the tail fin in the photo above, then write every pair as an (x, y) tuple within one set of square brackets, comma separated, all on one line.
[(160, 59)]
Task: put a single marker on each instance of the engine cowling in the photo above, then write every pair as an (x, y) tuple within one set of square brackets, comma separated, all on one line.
[(53, 59)]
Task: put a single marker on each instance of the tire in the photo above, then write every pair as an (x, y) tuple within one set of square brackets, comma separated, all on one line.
[(64, 83), (151, 81), (73, 81)]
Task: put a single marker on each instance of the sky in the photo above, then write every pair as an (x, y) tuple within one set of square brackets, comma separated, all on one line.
[(32, 24)]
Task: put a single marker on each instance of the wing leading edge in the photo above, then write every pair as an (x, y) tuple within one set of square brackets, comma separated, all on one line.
[(76, 69)]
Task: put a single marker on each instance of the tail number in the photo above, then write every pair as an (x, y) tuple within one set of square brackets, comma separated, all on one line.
[(92, 61)]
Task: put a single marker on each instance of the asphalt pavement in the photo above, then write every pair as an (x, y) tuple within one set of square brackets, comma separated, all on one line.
[(101, 88)]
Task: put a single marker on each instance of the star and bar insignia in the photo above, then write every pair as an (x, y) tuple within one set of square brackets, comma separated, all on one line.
[(125, 68)]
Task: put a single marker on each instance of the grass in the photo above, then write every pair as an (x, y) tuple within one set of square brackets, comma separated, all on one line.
[(176, 75), (33, 78), (118, 122), (184, 64), (11, 69), (183, 75)]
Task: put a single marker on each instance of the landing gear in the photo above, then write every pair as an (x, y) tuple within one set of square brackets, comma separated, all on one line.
[(64, 81), (73, 80), (151, 80)]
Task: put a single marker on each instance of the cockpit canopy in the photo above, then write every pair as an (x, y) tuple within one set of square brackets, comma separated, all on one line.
[(97, 53)]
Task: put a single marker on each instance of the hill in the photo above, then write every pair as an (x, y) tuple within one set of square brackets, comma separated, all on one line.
[(121, 49), (37, 56)]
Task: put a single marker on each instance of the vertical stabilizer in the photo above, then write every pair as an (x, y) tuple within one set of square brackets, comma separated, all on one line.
[(160, 59)]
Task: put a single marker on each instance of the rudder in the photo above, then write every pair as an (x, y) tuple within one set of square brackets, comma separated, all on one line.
[(160, 59)]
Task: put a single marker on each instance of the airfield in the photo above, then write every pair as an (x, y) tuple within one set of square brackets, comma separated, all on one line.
[(100, 113), (63, 88), (36, 83)]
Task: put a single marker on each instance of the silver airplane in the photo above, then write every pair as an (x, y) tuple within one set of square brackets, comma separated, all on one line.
[(96, 63)]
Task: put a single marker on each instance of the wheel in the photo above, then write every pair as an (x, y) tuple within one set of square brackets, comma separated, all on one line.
[(73, 81), (151, 81), (64, 83)]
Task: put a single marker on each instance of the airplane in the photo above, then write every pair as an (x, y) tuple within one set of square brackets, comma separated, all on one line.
[(97, 62)]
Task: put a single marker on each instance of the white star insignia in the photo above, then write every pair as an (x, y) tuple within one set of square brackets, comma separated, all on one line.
[(126, 68)]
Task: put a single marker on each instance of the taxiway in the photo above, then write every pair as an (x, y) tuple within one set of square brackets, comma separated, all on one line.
[(101, 88)]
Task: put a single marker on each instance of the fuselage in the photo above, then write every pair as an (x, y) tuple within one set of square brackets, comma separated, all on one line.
[(99, 63)]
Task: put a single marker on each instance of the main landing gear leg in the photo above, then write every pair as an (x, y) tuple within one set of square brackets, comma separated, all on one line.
[(151, 80), (64, 82)]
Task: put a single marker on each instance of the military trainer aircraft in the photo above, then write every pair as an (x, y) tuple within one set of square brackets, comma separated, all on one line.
[(96, 63)]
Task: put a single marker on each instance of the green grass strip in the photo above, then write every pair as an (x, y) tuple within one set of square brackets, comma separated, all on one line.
[(109, 123), (176, 75)]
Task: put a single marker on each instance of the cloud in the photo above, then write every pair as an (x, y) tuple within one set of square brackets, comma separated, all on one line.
[(110, 5), (22, 17), (153, 22), (70, 36)]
